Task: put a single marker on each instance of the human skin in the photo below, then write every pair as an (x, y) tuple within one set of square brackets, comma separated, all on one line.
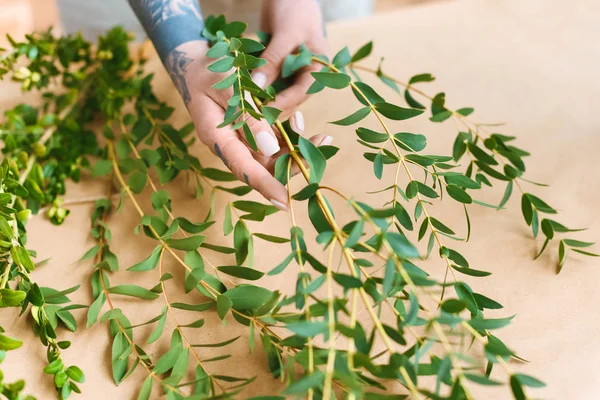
[(174, 26)]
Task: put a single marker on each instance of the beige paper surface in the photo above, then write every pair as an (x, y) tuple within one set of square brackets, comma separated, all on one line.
[(532, 64)]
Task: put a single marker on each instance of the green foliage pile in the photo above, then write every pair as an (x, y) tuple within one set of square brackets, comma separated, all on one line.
[(327, 348)]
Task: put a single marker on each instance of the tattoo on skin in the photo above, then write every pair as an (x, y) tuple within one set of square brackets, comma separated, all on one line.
[(220, 155), (161, 10), (177, 64), (169, 24), (247, 179)]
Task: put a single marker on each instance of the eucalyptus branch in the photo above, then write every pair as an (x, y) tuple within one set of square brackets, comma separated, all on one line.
[(509, 156)]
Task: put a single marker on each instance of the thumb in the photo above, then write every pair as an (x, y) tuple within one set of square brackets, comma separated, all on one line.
[(279, 48)]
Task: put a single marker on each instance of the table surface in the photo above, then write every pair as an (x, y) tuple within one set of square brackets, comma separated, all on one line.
[(532, 64)]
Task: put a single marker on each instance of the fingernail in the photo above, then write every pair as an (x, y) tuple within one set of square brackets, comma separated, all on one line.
[(279, 205), (267, 143), (260, 79), (299, 122), (327, 141)]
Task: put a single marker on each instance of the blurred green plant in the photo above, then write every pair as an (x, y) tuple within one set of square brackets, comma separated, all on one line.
[(326, 348)]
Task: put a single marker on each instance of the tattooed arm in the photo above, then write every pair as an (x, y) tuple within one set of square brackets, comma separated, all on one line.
[(174, 26), (169, 25)]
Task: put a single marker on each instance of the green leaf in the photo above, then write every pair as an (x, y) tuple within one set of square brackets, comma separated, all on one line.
[(241, 272), (576, 243), (527, 209), (342, 58), (188, 244), (465, 294), (482, 380), (21, 257), (7, 343), (220, 344), (75, 373), (197, 274), (315, 159), (481, 155), (366, 94), (101, 168), (466, 111), (437, 224), (307, 192), (271, 114), (334, 80), (271, 238), (421, 78), (516, 388), (586, 253), (547, 229), (453, 306), (149, 263), (471, 271), (222, 65), (160, 327), (224, 304), (241, 242), (281, 267), (397, 113), (401, 245), (540, 204), (355, 233), (347, 281), (378, 166), (363, 52), (458, 194), (411, 141), (458, 179), (133, 291), (530, 381), (370, 136), (11, 298), (137, 181), (94, 310), (218, 175), (146, 389), (306, 382), (218, 50), (248, 297), (507, 194), (354, 118), (250, 46), (490, 323), (307, 328)]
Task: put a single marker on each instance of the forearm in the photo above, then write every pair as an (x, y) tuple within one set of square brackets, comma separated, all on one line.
[(170, 24)]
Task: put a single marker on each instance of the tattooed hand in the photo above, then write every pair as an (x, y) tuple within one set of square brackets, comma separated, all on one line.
[(207, 108), (174, 26)]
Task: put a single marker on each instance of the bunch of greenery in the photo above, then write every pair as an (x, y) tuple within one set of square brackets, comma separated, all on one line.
[(313, 338)]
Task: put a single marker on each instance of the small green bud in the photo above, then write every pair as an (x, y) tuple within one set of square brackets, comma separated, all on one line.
[(39, 149), (23, 156)]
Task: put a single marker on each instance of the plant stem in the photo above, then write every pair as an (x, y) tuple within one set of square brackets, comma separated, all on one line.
[(340, 239), (331, 327), (178, 326)]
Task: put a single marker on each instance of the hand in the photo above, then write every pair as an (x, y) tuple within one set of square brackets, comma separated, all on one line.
[(290, 23), (207, 106)]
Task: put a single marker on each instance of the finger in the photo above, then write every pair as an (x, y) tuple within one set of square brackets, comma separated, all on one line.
[(293, 96), (225, 143), (281, 46), (317, 140)]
